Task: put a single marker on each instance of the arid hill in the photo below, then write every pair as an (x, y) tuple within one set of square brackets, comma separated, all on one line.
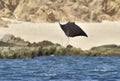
[(61, 10)]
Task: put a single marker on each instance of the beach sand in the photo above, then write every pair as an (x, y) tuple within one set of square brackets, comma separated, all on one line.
[(98, 33)]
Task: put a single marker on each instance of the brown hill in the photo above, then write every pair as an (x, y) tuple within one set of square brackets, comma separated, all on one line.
[(61, 10)]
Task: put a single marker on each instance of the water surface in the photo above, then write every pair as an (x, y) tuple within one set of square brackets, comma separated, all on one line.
[(65, 68)]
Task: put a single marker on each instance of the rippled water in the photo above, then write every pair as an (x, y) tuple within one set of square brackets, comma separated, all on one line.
[(61, 69)]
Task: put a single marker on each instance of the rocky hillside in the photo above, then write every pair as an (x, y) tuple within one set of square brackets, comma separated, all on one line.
[(61, 10)]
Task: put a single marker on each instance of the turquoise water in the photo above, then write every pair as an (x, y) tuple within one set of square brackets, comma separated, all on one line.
[(61, 69)]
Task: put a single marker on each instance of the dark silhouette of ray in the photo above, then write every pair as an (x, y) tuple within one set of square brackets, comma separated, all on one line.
[(72, 30)]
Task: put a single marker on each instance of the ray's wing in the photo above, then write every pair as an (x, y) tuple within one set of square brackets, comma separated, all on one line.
[(75, 30), (65, 29), (72, 30)]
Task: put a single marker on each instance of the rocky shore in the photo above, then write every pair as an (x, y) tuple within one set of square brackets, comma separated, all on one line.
[(54, 11), (14, 47)]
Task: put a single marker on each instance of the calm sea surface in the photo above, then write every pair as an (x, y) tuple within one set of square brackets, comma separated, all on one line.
[(65, 68)]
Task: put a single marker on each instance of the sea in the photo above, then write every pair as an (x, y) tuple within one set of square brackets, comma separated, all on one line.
[(61, 68)]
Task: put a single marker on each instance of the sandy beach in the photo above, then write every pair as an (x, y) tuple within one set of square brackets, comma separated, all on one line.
[(98, 33)]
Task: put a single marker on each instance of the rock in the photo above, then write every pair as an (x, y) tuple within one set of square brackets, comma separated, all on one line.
[(3, 23), (19, 52), (105, 50), (7, 7), (2, 44), (11, 4), (110, 7), (44, 43), (25, 9), (8, 38), (14, 47)]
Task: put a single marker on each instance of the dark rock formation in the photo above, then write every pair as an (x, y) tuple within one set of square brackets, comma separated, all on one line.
[(105, 50), (42, 44), (14, 47), (19, 52)]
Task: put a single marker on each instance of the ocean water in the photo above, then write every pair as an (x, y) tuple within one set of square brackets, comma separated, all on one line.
[(61, 68)]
